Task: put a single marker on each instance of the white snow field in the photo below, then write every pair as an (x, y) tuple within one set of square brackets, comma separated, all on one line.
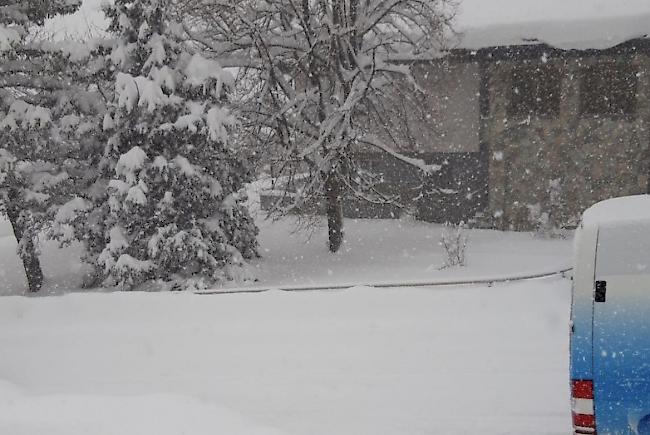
[(378, 251), (453, 360), (396, 361), (375, 251)]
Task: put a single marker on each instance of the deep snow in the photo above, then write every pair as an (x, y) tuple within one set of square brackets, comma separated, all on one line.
[(361, 361), (374, 251), (397, 251)]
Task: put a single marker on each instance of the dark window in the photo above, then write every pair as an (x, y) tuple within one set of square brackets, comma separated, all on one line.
[(608, 89), (535, 91)]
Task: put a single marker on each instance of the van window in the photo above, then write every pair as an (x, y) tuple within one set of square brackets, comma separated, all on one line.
[(623, 249)]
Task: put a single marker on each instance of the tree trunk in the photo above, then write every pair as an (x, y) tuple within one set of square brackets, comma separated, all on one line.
[(27, 249), (334, 205)]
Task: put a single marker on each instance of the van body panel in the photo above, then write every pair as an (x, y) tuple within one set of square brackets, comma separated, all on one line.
[(610, 315), (582, 303), (621, 327), (621, 351)]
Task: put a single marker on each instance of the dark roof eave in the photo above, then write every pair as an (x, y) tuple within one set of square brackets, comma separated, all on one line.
[(537, 50)]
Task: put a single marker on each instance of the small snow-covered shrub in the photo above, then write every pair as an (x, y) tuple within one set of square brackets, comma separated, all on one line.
[(544, 216), (454, 242), (539, 218)]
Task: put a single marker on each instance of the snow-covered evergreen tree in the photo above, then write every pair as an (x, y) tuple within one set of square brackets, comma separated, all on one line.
[(174, 195), (35, 93)]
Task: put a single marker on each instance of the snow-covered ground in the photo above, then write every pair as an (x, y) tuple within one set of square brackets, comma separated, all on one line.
[(361, 361), (397, 251), (454, 360), (374, 251)]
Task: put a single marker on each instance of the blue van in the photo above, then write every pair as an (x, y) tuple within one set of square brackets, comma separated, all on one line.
[(610, 319)]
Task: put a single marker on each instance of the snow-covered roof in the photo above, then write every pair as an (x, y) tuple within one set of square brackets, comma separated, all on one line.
[(600, 33), (623, 209)]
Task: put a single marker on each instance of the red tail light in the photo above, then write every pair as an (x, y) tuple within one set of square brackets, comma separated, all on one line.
[(582, 404), (582, 389)]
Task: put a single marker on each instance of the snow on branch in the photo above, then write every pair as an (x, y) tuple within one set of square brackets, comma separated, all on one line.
[(418, 163), (74, 51), (25, 115), (9, 36), (316, 77), (140, 91)]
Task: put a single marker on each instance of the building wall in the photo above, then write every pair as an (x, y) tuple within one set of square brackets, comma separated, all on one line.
[(452, 99), (443, 118), (562, 164), (439, 126)]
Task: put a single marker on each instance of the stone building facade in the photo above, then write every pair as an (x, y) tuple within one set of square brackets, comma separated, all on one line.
[(564, 129), (526, 135), (558, 129)]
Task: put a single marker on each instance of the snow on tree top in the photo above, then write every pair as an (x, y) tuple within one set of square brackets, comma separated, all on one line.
[(200, 70), (218, 120), (70, 210), (75, 51), (131, 162), (185, 166), (8, 37), (140, 91), (71, 3), (28, 115), (623, 209), (598, 33), (156, 45)]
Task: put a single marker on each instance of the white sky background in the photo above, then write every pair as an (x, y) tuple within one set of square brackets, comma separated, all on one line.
[(88, 20), (479, 13), (472, 13)]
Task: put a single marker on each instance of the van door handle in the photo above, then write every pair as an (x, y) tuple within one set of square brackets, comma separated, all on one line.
[(601, 291)]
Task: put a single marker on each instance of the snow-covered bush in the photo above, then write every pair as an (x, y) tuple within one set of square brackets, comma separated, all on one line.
[(454, 242), (173, 204), (540, 219), (544, 215)]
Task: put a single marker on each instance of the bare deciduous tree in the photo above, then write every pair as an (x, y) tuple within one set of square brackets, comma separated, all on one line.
[(321, 73)]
